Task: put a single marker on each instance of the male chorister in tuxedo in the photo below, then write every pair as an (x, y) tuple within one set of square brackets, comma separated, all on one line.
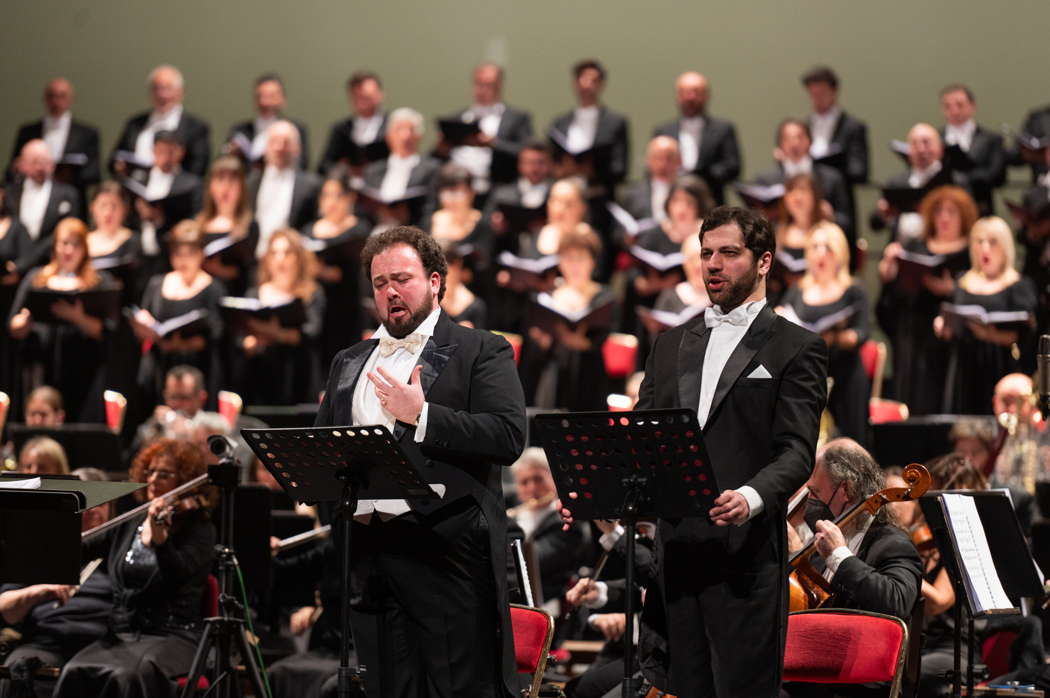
[(282, 194), (925, 172), (984, 166), (648, 198), (793, 143), (492, 155), (708, 144), (433, 618), (73, 144), (247, 139), (359, 139), (838, 137), (37, 199), (1036, 126), (403, 172), (171, 194), (591, 140), (166, 89), (758, 384)]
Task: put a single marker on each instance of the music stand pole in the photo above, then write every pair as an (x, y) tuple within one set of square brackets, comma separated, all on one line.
[(345, 513), (634, 488)]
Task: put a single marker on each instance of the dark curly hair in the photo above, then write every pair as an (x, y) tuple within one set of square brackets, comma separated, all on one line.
[(186, 457), (757, 231), (428, 249)]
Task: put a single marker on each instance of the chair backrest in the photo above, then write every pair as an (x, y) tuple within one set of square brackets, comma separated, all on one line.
[(515, 341), (995, 652), (873, 356), (881, 411), (620, 353), (116, 405), (230, 406), (533, 632), (845, 646)]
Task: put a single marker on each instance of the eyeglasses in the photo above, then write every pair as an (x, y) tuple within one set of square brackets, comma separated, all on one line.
[(161, 474)]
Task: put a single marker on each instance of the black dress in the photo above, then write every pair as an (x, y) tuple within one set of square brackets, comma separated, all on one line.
[(244, 262), (343, 316), (70, 360), (848, 401), (15, 245), (476, 314), (920, 359), (654, 240), (159, 596), (975, 366), (285, 374), (781, 276)]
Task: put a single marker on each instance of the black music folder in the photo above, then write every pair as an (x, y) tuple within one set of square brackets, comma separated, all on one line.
[(101, 302)]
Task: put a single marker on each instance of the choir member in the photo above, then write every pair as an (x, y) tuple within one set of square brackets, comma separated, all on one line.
[(395, 178), (135, 145), (281, 362), (247, 139), (460, 303), (185, 289), (592, 132), (359, 139), (491, 155), (282, 194), (158, 564), (691, 293), (566, 214), (981, 354), (72, 352), (647, 198), (905, 310), (707, 143), (1034, 218), (925, 172), (227, 216), (793, 143), (457, 221), (839, 139), (339, 274), (73, 144), (44, 408), (826, 291), (1036, 126), (111, 244), (982, 165), (555, 364), (16, 247), (40, 201), (529, 191), (801, 210), (42, 455)]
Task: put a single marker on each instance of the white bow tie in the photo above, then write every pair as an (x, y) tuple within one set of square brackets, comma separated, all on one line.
[(715, 317), (388, 345)]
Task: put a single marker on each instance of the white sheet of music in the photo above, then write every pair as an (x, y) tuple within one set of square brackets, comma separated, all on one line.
[(978, 569)]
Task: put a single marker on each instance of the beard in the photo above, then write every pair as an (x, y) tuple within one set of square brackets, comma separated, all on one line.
[(407, 324), (733, 293)]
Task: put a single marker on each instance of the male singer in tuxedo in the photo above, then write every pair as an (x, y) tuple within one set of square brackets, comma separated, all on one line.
[(984, 166), (73, 144), (758, 384), (166, 90), (926, 172), (648, 198), (359, 139), (491, 155), (839, 139), (270, 102), (394, 178), (282, 194), (175, 193), (37, 198), (433, 618), (708, 144)]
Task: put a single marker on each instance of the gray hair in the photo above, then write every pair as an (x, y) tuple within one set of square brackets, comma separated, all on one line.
[(531, 457), (166, 66), (406, 114)]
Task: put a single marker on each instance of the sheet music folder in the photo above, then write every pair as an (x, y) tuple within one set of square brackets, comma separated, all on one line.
[(40, 528)]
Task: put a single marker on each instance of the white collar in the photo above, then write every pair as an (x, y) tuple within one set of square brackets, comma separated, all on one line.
[(967, 128), (752, 308), (408, 162), (691, 121), (32, 186), (173, 116), (61, 121), (261, 123), (480, 110), (927, 174), (426, 328), (274, 171), (590, 112), (830, 115)]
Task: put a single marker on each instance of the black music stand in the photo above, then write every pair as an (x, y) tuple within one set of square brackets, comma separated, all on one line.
[(340, 464), (629, 466), (40, 540), (1009, 552)]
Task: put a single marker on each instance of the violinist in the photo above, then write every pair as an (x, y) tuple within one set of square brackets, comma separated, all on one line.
[(158, 563)]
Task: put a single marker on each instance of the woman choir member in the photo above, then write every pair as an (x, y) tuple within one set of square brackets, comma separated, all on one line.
[(460, 303), (111, 244), (982, 353), (332, 237), (457, 221), (908, 303), (158, 563), (281, 362), (227, 216), (691, 293), (184, 290), (562, 365), (801, 210), (566, 214), (72, 352), (831, 302)]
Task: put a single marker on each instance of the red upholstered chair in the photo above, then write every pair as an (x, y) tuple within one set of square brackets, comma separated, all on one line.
[(995, 652), (880, 411), (873, 356), (515, 341), (116, 405), (620, 353), (843, 646), (533, 631), (210, 608)]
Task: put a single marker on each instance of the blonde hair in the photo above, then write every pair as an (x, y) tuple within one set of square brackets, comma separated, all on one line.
[(306, 279), (1000, 231), (839, 248), (49, 451), (85, 271)]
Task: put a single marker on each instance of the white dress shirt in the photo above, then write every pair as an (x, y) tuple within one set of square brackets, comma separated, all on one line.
[(398, 172), (532, 195), (583, 129), (962, 135), (919, 178), (56, 133), (366, 409), (33, 205), (259, 141), (478, 159), (365, 129), (168, 121), (797, 167), (158, 186), (690, 135), (720, 346), (822, 128), (658, 192), (273, 203)]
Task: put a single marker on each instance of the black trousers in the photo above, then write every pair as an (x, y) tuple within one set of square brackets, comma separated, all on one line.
[(426, 625), (128, 666)]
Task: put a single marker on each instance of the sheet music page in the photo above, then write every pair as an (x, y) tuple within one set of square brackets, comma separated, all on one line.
[(978, 569), (32, 483)]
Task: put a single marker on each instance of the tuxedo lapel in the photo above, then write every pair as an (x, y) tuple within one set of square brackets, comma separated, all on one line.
[(691, 352), (741, 356), (840, 125), (435, 357), (350, 374), (708, 141)]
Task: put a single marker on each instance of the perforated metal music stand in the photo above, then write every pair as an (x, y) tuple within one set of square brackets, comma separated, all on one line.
[(629, 466), (340, 464)]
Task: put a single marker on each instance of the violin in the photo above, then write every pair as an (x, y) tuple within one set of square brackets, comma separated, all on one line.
[(808, 588), (174, 494)]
